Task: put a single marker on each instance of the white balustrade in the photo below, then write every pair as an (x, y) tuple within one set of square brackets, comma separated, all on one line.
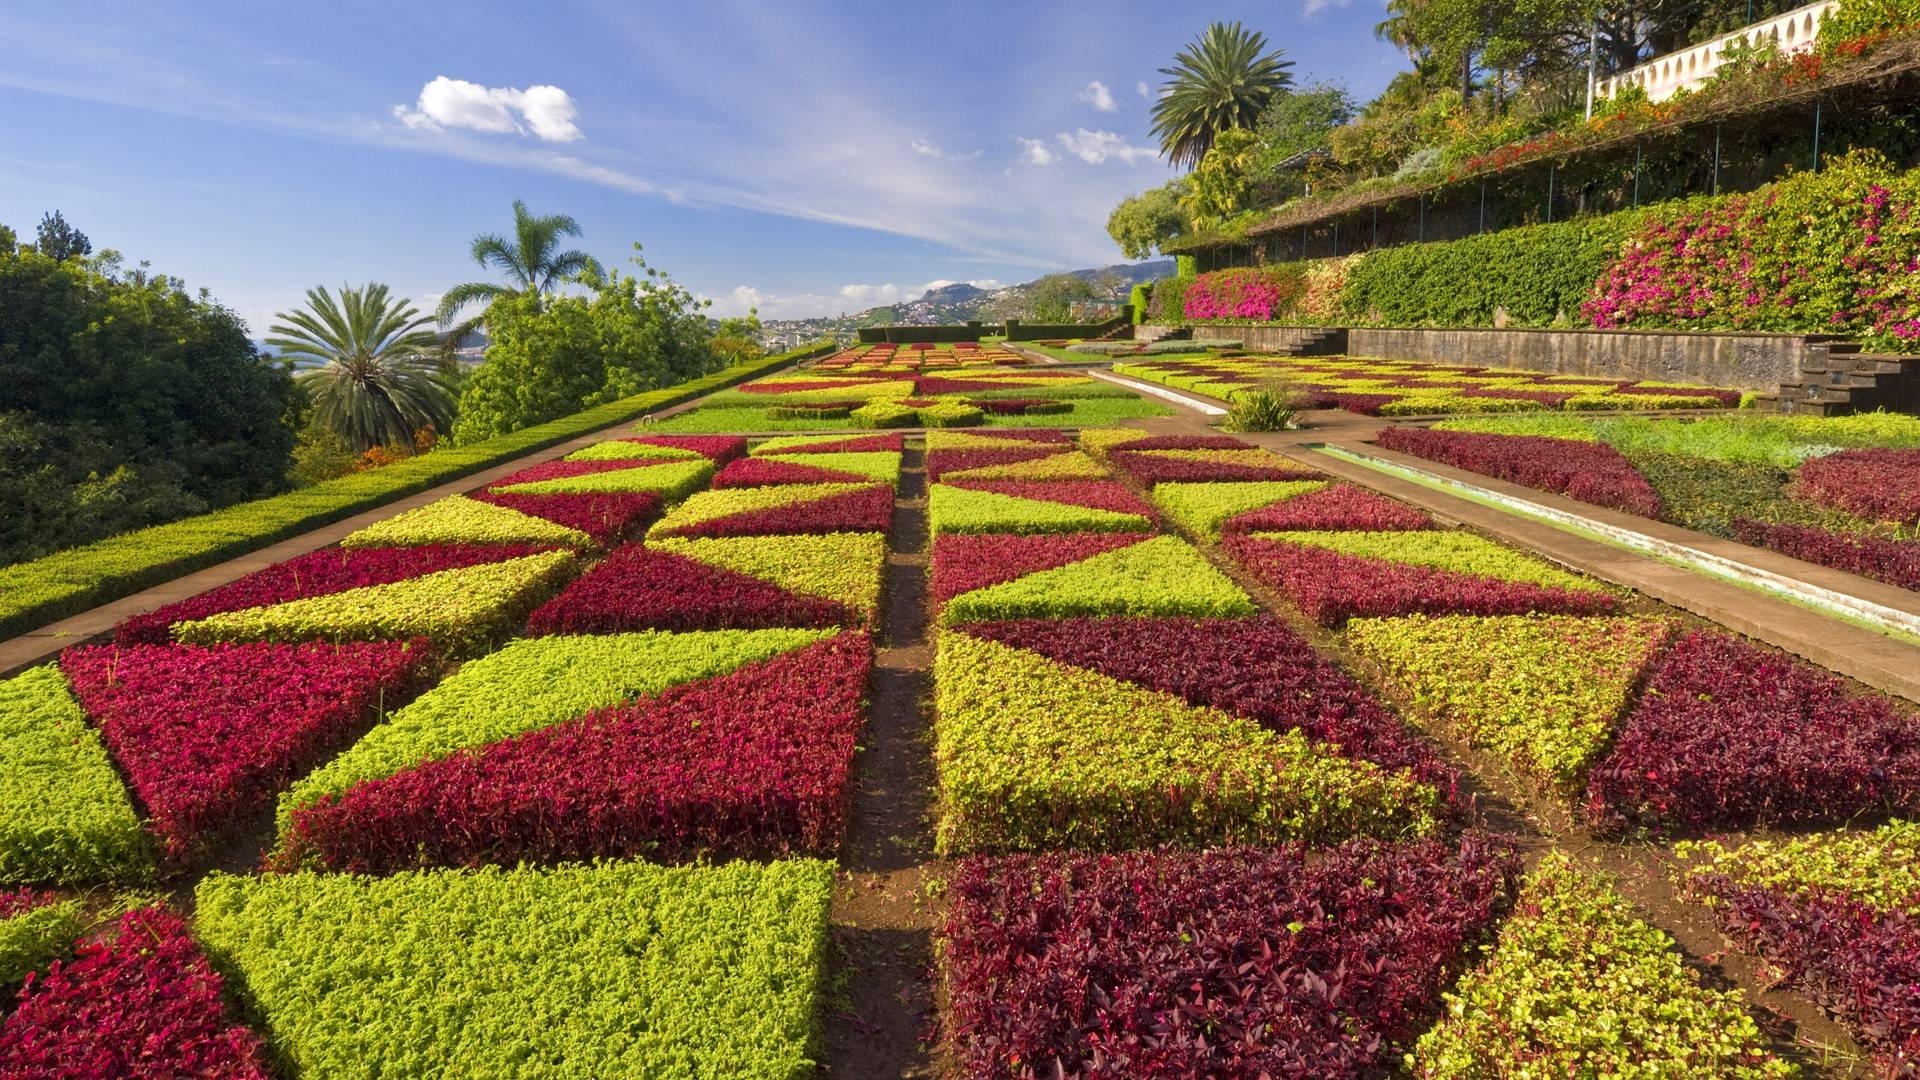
[(1689, 68)]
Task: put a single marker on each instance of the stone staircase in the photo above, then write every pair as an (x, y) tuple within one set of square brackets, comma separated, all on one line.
[(1837, 379), (1330, 341)]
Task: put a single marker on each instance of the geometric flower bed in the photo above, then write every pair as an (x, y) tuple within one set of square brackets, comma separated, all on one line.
[(548, 680), (1035, 506), (812, 468), (719, 449), (1896, 562), (34, 927), (1253, 667), (719, 583), (457, 519), (962, 562), (1879, 485), (206, 735), (1150, 467), (1834, 913), (1203, 509), (1163, 575), (784, 509), (1541, 691), (1335, 576), (1338, 506), (1577, 985), (65, 817), (754, 763), (828, 444), (144, 1004), (1237, 962), (1589, 471), (670, 480), (460, 610), (317, 573), (1071, 465), (1033, 753), (606, 519), (613, 969), (1732, 736)]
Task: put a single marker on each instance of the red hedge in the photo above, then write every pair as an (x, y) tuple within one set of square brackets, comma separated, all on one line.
[(1236, 962), (768, 471), (1589, 471), (754, 764), (1730, 735), (638, 588), (963, 563), (208, 734), (1255, 667), (1332, 587), (606, 518), (145, 1006), (1896, 562), (1094, 494), (1335, 507), (866, 510), (1882, 485), (317, 573), (1151, 470)]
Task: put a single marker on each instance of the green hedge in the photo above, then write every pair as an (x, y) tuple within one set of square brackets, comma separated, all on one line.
[(38, 592)]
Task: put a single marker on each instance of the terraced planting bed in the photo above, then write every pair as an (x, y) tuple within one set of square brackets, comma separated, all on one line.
[(616, 767), (1374, 387)]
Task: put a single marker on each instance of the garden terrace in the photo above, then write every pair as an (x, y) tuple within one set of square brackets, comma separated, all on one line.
[(1108, 738)]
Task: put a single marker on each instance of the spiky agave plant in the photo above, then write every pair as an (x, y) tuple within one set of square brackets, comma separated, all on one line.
[(380, 379), (1221, 81)]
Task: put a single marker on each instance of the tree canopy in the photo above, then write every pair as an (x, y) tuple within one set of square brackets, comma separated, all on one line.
[(1223, 80)]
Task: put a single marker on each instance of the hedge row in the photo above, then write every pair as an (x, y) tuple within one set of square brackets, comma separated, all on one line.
[(38, 592)]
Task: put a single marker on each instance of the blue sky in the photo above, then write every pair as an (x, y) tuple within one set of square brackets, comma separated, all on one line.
[(808, 157)]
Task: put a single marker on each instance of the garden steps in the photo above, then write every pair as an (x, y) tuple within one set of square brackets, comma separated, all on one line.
[(1837, 379)]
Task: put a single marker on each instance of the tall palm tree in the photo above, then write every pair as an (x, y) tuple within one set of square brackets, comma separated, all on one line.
[(379, 380), (1220, 81), (528, 260)]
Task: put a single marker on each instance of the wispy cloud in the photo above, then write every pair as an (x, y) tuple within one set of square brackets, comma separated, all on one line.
[(1099, 147), (926, 148), (1097, 95), (1145, 91), (848, 298), (1315, 7), (1035, 152), (546, 112)]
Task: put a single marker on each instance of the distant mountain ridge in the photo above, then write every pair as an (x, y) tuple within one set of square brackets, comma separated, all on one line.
[(960, 302)]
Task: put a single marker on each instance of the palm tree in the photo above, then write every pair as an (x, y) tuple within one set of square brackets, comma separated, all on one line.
[(528, 260), (1220, 81), (379, 381)]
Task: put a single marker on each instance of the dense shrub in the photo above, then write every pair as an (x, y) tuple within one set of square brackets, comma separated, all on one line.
[(1242, 962), (145, 1006), (1589, 471), (697, 771), (1537, 275), (1732, 736), (206, 736), (1035, 754), (612, 969)]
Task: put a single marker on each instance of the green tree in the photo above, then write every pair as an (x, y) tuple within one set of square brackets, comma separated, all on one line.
[(737, 340), (547, 358), (1221, 187), (1223, 80), (1142, 223), (529, 260), (1051, 299), (378, 381), (58, 240)]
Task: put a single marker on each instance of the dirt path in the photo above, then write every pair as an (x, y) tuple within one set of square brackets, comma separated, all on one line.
[(881, 1003)]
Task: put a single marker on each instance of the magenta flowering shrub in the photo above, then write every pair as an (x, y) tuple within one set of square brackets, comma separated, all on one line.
[(1589, 471), (1255, 667), (964, 562), (317, 573), (143, 1006), (1236, 962), (1094, 494), (1247, 294), (1880, 485), (1859, 962), (606, 518), (639, 588), (869, 509), (753, 764), (941, 462), (719, 449), (1336, 506), (1331, 587), (208, 734), (1150, 469), (766, 471), (1730, 735), (1896, 562)]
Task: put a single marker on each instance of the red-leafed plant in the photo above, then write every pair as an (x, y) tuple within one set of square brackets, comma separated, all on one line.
[(1335, 507), (208, 734), (1094, 494), (753, 764), (604, 517), (144, 1006), (639, 588), (1150, 469), (1896, 562), (869, 509), (941, 462), (1589, 471), (767, 471), (718, 448), (1242, 962), (1730, 735), (1881, 485), (963, 563)]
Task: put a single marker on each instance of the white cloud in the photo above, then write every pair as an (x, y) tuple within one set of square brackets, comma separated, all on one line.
[(1097, 95), (1035, 152), (546, 112), (1145, 91), (1315, 7), (1096, 147), (926, 148)]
